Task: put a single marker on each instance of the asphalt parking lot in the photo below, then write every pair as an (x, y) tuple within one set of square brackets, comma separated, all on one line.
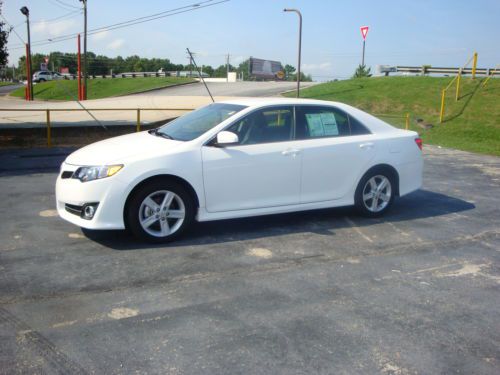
[(323, 292)]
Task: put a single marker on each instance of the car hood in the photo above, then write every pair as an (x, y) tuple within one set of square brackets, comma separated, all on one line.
[(121, 149)]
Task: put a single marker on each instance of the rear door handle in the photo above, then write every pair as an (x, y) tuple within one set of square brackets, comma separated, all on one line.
[(290, 151), (366, 145)]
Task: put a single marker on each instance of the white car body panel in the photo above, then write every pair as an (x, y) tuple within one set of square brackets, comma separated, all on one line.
[(242, 180), (250, 176)]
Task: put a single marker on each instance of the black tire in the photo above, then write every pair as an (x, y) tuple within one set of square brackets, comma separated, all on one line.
[(41, 80), (366, 207), (136, 202)]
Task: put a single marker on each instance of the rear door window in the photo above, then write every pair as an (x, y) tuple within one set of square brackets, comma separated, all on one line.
[(321, 122)]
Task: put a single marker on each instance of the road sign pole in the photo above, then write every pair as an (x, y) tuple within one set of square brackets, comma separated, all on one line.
[(300, 46), (364, 33), (79, 61), (363, 58)]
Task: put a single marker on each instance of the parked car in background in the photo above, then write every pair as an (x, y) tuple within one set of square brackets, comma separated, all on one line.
[(239, 158), (46, 75)]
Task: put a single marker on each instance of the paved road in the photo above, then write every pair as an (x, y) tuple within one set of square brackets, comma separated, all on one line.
[(322, 292), (257, 89), (4, 90)]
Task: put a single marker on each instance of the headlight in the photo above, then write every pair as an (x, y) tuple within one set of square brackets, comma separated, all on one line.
[(85, 174)]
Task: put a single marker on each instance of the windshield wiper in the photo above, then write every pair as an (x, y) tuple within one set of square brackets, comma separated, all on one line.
[(160, 134)]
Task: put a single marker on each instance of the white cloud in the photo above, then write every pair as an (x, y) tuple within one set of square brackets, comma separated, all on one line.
[(321, 67), (100, 35), (53, 29), (116, 44)]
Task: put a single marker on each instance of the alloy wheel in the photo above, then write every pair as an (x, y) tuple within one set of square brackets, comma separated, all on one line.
[(377, 193), (162, 213)]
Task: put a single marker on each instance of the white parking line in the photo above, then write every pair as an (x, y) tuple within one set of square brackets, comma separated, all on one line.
[(356, 228)]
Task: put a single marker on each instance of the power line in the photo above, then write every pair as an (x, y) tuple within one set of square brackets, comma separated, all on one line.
[(62, 4), (66, 4), (132, 22), (69, 15), (11, 28), (197, 5)]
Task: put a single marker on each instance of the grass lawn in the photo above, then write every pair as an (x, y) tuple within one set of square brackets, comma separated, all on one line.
[(7, 83), (471, 124), (99, 88)]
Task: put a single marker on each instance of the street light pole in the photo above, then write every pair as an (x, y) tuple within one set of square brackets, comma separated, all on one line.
[(29, 73), (84, 49), (300, 46)]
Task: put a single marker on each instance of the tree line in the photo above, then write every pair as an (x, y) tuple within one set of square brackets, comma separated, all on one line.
[(100, 65)]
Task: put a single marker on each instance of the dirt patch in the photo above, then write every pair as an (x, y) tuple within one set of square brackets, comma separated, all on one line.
[(260, 253), (123, 313), (48, 213)]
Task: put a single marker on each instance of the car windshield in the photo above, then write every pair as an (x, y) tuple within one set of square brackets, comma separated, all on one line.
[(194, 124)]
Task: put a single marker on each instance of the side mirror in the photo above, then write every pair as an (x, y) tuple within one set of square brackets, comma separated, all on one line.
[(225, 138)]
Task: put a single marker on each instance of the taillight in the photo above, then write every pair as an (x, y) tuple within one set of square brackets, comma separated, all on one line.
[(418, 141)]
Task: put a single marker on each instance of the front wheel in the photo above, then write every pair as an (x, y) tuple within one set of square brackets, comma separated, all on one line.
[(375, 193), (160, 211)]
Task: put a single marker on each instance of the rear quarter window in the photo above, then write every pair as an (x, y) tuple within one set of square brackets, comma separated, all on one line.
[(357, 128)]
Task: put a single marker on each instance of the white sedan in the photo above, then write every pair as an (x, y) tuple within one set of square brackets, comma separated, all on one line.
[(235, 159)]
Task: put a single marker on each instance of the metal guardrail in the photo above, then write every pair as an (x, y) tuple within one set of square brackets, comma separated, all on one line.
[(427, 69), (70, 76), (49, 110)]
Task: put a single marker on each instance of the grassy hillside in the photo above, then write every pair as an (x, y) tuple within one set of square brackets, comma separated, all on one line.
[(99, 88), (471, 124)]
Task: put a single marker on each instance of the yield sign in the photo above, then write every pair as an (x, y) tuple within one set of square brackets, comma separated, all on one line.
[(364, 31)]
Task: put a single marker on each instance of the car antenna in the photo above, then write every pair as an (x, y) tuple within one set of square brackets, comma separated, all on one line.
[(199, 73), (80, 104)]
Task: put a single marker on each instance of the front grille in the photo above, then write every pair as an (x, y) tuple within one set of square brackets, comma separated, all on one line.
[(73, 209), (66, 174)]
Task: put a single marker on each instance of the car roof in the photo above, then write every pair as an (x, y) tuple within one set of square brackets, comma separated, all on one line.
[(261, 102)]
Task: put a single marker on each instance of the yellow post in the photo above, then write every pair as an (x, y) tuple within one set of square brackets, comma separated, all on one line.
[(138, 128), (441, 113), (457, 93), (49, 140), (474, 65), (407, 121)]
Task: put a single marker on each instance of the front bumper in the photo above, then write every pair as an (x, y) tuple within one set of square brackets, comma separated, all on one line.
[(109, 193)]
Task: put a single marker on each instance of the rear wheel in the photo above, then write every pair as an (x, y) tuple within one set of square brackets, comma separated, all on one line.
[(160, 211), (375, 193)]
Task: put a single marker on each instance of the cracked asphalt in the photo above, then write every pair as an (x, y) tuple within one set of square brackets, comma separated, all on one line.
[(320, 292)]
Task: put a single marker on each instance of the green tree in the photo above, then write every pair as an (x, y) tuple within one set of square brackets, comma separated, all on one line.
[(221, 71), (289, 71), (3, 41), (243, 69), (303, 77), (208, 69), (362, 71)]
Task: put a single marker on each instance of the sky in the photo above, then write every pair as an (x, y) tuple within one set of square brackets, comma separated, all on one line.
[(403, 32)]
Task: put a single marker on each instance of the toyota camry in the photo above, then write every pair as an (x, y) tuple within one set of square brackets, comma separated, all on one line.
[(236, 159)]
